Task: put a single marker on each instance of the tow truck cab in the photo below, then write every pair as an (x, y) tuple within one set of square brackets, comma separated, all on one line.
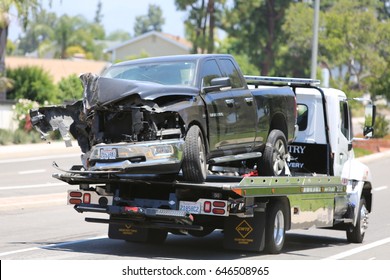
[(324, 129)]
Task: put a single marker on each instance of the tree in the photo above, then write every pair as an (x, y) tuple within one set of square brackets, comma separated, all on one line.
[(352, 42), (66, 32), (40, 29), (23, 7), (256, 27), (153, 21), (202, 21), (118, 35), (98, 15)]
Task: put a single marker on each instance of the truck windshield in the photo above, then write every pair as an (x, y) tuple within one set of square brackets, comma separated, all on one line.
[(165, 73)]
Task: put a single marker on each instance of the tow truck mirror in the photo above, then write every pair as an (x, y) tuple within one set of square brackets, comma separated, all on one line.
[(218, 84), (369, 120)]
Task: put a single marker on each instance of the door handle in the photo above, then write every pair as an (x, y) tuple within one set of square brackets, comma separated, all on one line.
[(249, 100), (229, 102)]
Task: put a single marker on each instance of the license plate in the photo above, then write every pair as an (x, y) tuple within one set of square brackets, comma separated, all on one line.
[(190, 207), (106, 153)]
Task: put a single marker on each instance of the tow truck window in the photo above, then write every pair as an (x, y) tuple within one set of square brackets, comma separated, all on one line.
[(302, 116), (345, 120)]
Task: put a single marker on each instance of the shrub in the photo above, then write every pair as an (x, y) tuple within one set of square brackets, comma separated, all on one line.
[(33, 83), (22, 109), (5, 137), (381, 126), (70, 88)]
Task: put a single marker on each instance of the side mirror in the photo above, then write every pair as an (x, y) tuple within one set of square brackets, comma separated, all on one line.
[(218, 84), (369, 120)]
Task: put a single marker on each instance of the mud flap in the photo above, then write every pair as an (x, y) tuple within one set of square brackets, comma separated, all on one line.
[(247, 234), (128, 232)]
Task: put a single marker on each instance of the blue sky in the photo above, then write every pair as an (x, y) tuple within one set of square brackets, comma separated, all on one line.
[(117, 14)]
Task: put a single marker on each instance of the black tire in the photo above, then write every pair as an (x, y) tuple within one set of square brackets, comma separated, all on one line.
[(273, 160), (275, 228), (355, 234), (194, 164)]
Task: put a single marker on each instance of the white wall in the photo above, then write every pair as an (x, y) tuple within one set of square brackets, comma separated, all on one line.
[(7, 115)]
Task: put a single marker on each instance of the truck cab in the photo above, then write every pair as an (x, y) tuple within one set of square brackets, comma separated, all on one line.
[(324, 130)]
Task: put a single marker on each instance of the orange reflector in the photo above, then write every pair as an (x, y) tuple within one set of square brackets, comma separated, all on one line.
[(238, 191), (75, 194), (207, 206), (87, 198), (74, 201), (219, 204), (219, 211)]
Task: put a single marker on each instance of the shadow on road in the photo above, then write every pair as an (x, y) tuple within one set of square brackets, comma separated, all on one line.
[(191, 248)]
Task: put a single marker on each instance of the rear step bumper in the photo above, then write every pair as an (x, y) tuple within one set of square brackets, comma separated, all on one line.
[(149, 224), (141, 217)]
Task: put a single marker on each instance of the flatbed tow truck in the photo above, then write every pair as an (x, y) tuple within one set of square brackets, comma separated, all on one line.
[(324, 186)]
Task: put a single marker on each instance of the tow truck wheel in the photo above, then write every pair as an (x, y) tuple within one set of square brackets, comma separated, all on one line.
[(273, 161), (275, 231), (355, 234), (194, 165)]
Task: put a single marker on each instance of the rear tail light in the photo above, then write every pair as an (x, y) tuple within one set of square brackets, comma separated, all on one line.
[(75, 201), (75, 194), (219, 204), (87, 198), (219, 211), (207, 207)]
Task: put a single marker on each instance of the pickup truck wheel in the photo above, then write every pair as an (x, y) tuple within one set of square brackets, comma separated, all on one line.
[(194, 165), (273, 161), (355, 234), (275, 231)]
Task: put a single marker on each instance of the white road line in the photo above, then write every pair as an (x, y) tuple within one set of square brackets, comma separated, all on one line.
[(36, 171), (33, 186), (381, 188), (51, 245), (359, 249), (38, 158)]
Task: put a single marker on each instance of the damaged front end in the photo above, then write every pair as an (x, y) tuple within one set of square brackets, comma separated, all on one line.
[(119, 127)]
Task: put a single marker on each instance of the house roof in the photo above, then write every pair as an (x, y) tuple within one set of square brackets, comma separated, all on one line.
[(58, 68), (176, 40)]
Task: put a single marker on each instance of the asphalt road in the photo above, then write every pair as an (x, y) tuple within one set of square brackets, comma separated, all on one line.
[(36, 223)]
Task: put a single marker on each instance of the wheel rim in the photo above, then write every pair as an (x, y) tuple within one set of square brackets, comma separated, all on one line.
[(278, 157), (202, 156), (279, 228), (363, 219)]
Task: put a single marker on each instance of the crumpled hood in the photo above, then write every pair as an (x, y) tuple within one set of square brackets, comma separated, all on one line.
[(100, 91)]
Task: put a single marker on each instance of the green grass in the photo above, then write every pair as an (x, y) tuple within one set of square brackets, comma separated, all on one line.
[(359, 152)]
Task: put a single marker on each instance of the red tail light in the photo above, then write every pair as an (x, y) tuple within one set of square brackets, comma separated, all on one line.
[(219, 204), (87, 198), (75, 194), (207, 206), (219, 211), (75, 201)]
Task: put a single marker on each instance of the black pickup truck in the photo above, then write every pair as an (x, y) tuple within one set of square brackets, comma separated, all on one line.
[(183, 116)]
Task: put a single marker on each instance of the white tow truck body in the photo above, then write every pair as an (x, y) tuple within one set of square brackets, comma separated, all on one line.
[(326, 187)]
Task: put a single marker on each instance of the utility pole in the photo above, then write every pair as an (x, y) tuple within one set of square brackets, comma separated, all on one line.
[(314, 48)]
